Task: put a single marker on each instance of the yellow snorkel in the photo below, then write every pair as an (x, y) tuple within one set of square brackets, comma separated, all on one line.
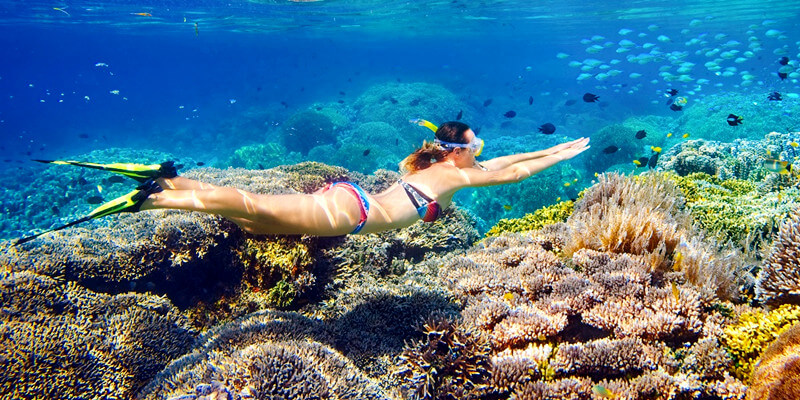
[(425, 123)]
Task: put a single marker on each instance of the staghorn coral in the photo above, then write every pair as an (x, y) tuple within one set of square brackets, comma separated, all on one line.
[(747, 339), (777, 374), (779, 280), (605, 358), (538, 219), (267, 354), (450, 362), (60, 340)]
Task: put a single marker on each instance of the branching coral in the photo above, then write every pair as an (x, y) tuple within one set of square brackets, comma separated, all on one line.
[(450, 362), (779, 280), (749, 337), (538, 219), (281, 265)]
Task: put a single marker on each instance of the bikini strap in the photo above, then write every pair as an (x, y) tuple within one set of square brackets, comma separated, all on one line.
[(418, 198)]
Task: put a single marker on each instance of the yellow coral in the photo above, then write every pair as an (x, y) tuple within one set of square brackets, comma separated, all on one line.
[(540, 218), (755, 330)]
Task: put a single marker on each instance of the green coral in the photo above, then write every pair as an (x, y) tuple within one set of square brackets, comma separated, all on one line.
[(551, 214), (753, 333), (282, 294), (280, 265), (735, 210)]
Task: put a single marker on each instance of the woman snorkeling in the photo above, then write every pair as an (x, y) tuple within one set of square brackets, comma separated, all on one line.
[(434, 173)]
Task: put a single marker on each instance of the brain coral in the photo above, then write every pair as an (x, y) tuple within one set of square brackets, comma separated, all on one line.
[(62, 341), (779, 280), (777, 375), (265, 355)]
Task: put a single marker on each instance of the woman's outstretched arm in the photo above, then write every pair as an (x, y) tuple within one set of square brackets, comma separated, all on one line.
[(505, 161)]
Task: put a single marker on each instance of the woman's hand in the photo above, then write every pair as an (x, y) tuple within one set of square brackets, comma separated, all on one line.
[(571, 149), (555, 149)]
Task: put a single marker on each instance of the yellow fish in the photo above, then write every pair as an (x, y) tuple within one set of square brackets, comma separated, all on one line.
[(601, 391), (558, 198), (794, 144), (669, 134), (99, 189), (778, 166), (675, 291), (508, 296), (596, 175), (567, 184), (575, 180), (637, 162), (685, 135), (507, 207), (656, 149), (676, 266)]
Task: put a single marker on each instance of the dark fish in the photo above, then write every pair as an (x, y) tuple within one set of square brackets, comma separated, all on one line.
[(414, 102), (115, 179), (734, 119), (510, 114), (775, 96), (590, 98), (487, 102), (55, 210), (782, 75), (675, 107), (642, 162), (530, 100), (783, 60), (261, 166), (396, 142), (83, 136), (653, 160), (340, 101), (393, 100), (672, 92), (641, 134), (610, 149), (547, 129), (94, 200), (570, 102), (283, 103), (341, 93), (200, 163), (459, 115), (366, 152)]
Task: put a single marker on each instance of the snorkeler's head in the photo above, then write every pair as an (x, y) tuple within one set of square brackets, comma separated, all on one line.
[(453, 132)]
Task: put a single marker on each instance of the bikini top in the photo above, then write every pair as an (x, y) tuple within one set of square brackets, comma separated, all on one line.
[(427, 208)]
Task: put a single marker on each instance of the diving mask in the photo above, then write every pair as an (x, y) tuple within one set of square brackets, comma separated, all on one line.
[(476, 145)]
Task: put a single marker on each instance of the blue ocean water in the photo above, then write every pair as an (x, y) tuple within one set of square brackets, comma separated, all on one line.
[(190, 78)]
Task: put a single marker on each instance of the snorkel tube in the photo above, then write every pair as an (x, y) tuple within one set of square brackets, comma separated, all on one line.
[(425, 123)]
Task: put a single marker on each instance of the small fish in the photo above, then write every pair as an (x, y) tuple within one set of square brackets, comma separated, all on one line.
[(653, 161), (601, 391), (777, 166), (508, 296), (641, 134), (507, 207), (774, 96), (669, 134), (487, 102), (685, 135), (143, 14), (783, 60), (547, 129), (782, 75), (558, 198), (510, 114), (590, 98), (678, 258), (94, 200), (200, 163), (101, 64), (567, 184), (396, 142), (671, 92), (62, 10), (642, 161), (113, 91), (83, 136), (675, 291), (196, 29), (734, 120), (99, 189), (610, 149), (655, 149), (530, 100), (459, 115), (675, 107), (570, 102), (55, 210), (115, 179), (794, 144), (366, 152)]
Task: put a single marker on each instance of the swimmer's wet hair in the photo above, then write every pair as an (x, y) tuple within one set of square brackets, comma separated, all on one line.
[(430, 152)]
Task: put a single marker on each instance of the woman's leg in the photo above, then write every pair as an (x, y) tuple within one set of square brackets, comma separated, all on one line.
[(332, 213)]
